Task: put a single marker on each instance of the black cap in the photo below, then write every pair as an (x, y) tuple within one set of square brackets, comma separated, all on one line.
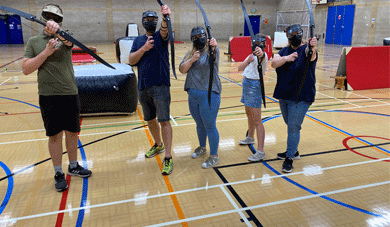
[(260, 38), (197, 31), (149, 13), (293, 28)]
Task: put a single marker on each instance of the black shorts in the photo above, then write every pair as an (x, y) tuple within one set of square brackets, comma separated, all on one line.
[(155, 101), (60, 112)]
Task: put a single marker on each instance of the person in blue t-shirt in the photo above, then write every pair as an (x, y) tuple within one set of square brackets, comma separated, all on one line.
[(295, 93), (150, 54)]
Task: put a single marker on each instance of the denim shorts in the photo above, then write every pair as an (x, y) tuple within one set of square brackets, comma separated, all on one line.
[(251, 93), (155, 102)]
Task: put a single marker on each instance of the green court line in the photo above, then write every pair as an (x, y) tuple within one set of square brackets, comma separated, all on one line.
[(222, 115)]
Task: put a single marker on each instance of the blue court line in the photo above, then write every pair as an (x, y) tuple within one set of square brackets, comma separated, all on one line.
[(330, 111), (9, 188), (311, 191), (20, 102), (84, 195), (349, 133), (324, 197), (301, 186)]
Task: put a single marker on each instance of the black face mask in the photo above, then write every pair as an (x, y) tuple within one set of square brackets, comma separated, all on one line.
[(150, 26), (200, 43), (258, 44), (296, 40)]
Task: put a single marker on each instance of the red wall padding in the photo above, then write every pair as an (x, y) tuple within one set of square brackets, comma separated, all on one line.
[(241, 47), (82, 58), (368, 67)]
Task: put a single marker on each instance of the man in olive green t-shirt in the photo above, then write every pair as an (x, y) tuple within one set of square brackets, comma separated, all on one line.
[(51, 54)]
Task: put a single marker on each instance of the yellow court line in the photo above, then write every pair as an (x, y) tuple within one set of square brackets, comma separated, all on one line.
[(179, 211)]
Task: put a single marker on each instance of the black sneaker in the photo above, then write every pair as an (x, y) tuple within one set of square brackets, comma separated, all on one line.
[(60, 182), (79, 171), (287, 165), (284, 155)]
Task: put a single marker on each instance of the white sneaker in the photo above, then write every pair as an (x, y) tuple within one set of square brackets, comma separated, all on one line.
[(199, 151), (246, 141), (258, 156), (210, 162)]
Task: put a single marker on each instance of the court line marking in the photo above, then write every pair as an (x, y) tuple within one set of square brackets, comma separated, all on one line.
[(352, 93), (198, 189), (337, 99), (6, 81), (276, 203), (173, 120), (315, 104), (111, 132), (168, 184), (138, 121), (236, 208), (10, 187)]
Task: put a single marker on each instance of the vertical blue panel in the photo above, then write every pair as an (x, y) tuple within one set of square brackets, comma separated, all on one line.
[(349, 15), (255, 22), (15, 29), (330, 26), (339, 24), (4, 30)]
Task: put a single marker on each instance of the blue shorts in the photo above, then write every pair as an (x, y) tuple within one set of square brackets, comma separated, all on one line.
[(251, 93), (155, 101)]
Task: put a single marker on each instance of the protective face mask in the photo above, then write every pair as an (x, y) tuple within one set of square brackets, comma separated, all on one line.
[(296, 40), (200, 43), (150, 26)]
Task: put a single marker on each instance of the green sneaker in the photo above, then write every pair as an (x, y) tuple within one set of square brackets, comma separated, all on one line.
[(155, 150), (168, 166)]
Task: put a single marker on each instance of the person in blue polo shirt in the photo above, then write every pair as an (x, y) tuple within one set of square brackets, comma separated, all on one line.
[(150, 54), (295, 93)]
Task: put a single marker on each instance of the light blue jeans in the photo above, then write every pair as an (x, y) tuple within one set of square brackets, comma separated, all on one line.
[(293, 113), (205, 117)]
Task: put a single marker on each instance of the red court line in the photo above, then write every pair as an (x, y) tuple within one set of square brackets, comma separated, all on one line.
[(354, 137), (10, 62), (60, 216)]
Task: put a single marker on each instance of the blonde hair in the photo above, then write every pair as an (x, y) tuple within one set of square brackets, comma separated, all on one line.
[(193, 50)]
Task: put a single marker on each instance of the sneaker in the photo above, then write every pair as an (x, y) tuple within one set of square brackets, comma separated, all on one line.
[(258, 156), (284, 155), (198, 152), (60, 182), (247, 141), (155, 150), (79, 171), (210, 162), (287, 165), (168, 166)]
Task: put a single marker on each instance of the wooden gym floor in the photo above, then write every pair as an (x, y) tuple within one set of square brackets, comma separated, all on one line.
[(342, 178)]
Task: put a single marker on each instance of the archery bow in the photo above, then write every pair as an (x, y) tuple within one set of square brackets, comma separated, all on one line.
[(259, 60), (60, 32), (211, 52), (171, 38), (310, 52)]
